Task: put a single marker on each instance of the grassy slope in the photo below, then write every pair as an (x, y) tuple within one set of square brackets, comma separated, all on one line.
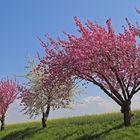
[(94, 127)]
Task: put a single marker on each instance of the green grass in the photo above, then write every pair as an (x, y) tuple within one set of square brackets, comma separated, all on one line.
[(91, 127)]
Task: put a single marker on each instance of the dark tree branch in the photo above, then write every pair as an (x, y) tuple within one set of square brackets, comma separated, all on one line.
[(129, 82), (121, 85), (91, 79), (112, 89), (135, 89), (126, 89)]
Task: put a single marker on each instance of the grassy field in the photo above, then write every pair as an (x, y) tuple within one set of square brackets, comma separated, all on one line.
[(92, 127)]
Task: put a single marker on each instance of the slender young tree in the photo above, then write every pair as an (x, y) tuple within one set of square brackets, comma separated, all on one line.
[(44, 92), (109, 60), (8, 94)]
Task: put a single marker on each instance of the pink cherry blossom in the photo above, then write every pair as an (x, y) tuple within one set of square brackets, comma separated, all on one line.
[(8, 94), (101, 56)]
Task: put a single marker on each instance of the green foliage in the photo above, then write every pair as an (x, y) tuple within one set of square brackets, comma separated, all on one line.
[(90, 127)]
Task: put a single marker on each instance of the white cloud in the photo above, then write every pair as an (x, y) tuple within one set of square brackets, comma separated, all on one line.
[(86, 105), (95, 99)]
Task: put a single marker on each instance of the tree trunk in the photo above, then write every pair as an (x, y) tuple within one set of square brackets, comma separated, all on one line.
[(43, 120), (45, 117), (2, 122), (126, 112)]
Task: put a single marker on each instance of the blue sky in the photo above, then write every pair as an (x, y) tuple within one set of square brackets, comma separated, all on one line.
[(22, 20)]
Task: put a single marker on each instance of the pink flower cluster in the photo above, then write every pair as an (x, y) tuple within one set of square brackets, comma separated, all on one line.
[(8, 93), (101, 56)]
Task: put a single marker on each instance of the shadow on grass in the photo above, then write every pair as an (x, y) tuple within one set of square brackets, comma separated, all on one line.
[(99, 136), (22, 134), (68, 135)]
